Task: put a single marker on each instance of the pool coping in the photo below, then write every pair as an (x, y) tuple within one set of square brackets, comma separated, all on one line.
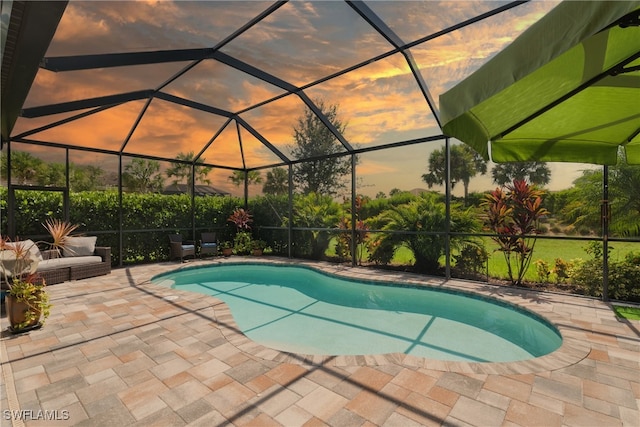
[(573, 348)]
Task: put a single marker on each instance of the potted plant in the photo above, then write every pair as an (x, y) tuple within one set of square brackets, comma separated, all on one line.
[(242, 243), (27, 300), (242, 219), (257, 247), (227, 248)]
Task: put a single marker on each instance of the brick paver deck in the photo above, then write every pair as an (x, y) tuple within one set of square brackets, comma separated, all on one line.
[(118, 350)]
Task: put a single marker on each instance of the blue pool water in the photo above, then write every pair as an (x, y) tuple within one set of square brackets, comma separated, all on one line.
[(300, 310)]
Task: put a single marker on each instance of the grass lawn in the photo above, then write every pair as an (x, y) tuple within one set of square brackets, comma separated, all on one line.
[(631, 313), (545, 249), (549, 250)]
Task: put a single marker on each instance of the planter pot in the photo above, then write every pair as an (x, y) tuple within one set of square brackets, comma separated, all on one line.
[(257, 252), (17, 315), (227, 252)]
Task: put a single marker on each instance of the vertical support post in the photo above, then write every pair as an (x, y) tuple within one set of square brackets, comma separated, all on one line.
[(120, 212), (605, 233), (354, 243), (246, 189), (290, 223), (447, 202), (65, 197), (193, 200), (11, 203)]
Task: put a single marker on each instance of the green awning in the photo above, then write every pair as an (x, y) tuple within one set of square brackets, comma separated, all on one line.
[(566, 90)]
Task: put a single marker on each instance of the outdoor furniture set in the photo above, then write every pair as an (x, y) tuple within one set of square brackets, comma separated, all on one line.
[(182, 248)]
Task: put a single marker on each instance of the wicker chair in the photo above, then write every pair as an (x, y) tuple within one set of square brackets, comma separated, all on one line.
[(208, 244), (181, 248)]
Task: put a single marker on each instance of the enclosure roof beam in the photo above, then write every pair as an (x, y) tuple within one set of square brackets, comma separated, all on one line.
[(101, 101), (323, 118), (193, 104), (25, 40), (383, 29), (262, 139)]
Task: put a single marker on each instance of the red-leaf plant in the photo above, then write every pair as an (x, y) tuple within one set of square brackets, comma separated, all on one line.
[(241, 218), (514, 215), (344, 246)]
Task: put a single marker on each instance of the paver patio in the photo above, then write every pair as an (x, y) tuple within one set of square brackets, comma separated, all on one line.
[(118, 350)]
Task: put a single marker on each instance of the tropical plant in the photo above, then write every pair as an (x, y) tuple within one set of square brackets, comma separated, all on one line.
[(242, 244), (241, 218), (258, 244), (311, 212), (514, 215), (345, 238), (419, 226)]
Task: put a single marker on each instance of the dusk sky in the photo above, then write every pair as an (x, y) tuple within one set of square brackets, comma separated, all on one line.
[(300, 43)]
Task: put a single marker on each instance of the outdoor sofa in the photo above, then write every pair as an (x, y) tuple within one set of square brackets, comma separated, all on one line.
[(79, 259)]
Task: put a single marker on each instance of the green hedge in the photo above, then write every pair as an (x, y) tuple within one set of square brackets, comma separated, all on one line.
[(97, 213)]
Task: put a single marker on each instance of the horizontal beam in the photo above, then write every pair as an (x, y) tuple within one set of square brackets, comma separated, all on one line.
[(101, 101)]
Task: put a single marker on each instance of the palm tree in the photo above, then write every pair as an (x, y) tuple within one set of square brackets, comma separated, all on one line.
[(536, 173), (465, 164), (624, 184), (315, 211), (182, 171), (253, 177), (425, 214), (277, 182)]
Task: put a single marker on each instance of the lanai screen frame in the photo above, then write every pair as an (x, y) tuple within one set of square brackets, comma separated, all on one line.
[(95, 105)]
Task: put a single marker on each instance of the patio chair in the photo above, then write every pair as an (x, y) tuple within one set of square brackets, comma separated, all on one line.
[(181, 248), (208, 244)]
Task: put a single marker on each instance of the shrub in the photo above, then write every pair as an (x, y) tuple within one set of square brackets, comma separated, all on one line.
[(313, 211), (418, 225), (472, 258), (345, 240), (624, 276), (542, 270), (513, 215), (242, 243), (561, 270)]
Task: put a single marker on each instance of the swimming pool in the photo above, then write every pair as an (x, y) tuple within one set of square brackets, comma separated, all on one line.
[(300, 310)]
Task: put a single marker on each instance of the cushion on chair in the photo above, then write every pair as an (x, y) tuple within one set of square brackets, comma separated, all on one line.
[(79, 246), (209, 245), (57, 263), (187, 247)]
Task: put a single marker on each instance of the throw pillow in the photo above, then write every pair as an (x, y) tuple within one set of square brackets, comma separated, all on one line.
[(27, 245), (79, 246)]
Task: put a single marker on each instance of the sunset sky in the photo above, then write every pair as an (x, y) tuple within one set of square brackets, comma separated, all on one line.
[(300, 43)]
